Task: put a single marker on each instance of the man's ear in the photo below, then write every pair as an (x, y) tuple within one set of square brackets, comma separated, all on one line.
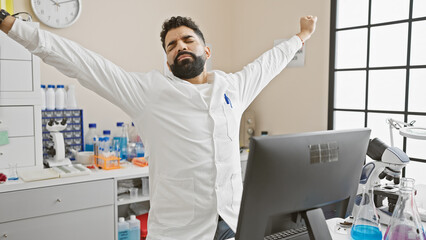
[(208, 52)]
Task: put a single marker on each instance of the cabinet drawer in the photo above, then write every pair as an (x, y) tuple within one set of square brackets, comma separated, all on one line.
[(88, 224), (16, 76), (20, 150), (9, 49), (19, 120), (51, 200)]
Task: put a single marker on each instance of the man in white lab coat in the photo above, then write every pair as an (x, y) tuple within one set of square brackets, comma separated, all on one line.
[(189, 121)]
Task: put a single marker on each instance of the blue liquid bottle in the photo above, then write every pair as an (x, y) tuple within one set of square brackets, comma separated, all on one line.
[(123, 229), (366, 224)]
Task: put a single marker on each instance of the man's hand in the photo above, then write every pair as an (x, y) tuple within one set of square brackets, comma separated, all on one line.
[(7, 24), (307, 27)]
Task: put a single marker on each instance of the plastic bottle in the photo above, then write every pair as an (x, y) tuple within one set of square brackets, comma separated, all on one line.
[(133, 134), (107, 139), (60, 97), (71, 100), (50, 97), (123, 229), (43, 97), (124, 142), (134, 228), (91, 137), (120, 140)]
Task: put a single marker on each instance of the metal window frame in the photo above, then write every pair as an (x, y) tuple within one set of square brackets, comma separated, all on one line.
[(367, 69)]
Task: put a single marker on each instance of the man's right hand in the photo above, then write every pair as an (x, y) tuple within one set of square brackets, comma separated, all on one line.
[(7, 24), (307, 27)]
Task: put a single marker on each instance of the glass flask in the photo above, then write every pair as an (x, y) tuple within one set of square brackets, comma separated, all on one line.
[(405, 223), (366, 223)]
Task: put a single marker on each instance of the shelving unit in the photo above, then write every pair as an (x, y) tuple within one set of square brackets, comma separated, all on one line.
[(123, 200)]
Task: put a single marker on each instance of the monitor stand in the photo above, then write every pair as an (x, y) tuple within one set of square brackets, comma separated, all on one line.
[(316, 224)]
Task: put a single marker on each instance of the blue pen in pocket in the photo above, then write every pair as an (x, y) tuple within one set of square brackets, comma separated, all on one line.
[(227, 100)]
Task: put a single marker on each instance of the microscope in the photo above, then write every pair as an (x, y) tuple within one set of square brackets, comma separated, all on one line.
[(387, 164), (57, 151)]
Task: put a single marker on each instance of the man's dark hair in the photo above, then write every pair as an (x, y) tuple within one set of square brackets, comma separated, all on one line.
[(175, 22)]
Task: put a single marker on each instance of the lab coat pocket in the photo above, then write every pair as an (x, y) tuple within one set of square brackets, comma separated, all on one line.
[(174, 201), (230, 121), (237, 190)]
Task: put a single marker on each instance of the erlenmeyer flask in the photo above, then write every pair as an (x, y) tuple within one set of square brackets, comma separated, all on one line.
[(405, 223), (366, 224)]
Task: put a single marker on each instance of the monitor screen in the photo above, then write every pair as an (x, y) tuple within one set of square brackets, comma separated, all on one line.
[(287, 175)]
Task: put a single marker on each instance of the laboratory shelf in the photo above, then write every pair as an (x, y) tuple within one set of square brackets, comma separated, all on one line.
[(125, 199)]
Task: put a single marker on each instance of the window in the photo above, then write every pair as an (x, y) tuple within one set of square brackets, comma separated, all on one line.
[(378, 71)]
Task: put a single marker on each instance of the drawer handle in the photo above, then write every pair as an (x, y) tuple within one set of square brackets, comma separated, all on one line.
[(5, 235), (58, 200), (1, 154)]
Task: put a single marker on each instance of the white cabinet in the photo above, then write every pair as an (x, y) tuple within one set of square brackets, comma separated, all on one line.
[(20, 105), (71, 211)]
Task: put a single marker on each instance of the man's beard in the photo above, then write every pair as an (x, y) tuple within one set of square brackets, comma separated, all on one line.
[(188, 68)]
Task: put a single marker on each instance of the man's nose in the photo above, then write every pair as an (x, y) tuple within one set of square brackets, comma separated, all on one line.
[(182, 46)]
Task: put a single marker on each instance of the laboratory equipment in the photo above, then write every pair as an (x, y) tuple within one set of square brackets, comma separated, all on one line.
[(145, 186), (134, 228), (297, 181), (70, 96), (405, 223), (13, 172), (85, 157), (57, 151), (73, 133), (123, 229), (50, 97), (366, 222), (91, 137), (43, 97), (133, 193), (388, 164)]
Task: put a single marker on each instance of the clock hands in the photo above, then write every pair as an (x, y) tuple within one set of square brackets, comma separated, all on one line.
[(67, 1)]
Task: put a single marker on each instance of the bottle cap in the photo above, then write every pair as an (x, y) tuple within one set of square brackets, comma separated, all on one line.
[(120, 124), (132, 217), (121, 219), (43, 86), (92, 125), (107, 132), (50, 86), (133, 124), (59, 86)]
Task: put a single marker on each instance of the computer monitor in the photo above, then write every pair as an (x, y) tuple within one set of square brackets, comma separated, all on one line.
[(288, 176)]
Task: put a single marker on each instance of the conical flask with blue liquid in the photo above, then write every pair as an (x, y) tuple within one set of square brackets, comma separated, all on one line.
[(366, 223), (405, 223)]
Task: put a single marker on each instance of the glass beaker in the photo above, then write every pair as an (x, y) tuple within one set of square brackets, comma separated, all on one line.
[(366, 223), (405, 223), (13, 172)]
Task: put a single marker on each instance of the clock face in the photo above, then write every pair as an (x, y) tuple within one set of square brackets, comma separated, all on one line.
[(57, 13)]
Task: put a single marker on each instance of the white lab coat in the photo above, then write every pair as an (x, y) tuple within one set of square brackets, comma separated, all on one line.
[(192, 148)]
